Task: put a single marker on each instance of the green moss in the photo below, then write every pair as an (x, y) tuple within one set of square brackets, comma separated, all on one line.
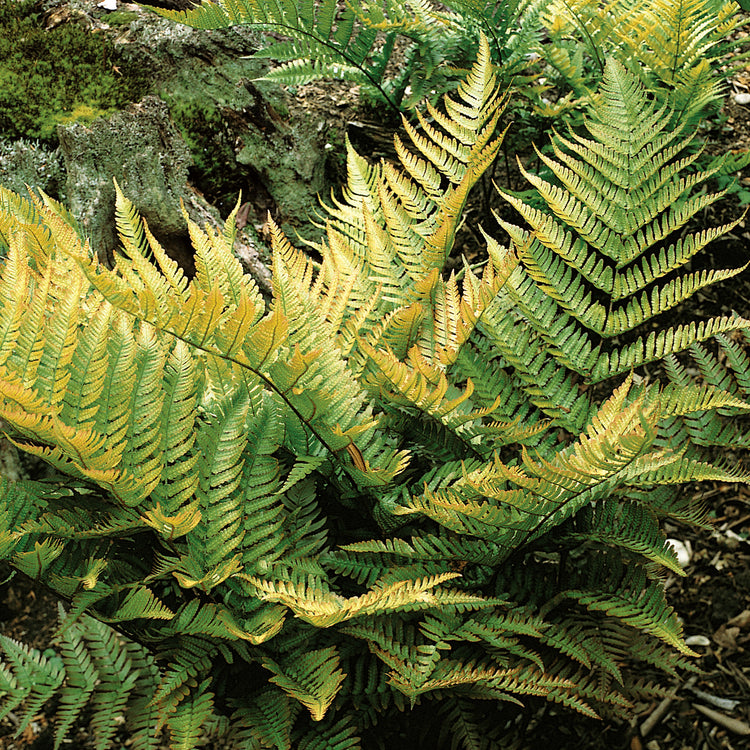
[(214, 167), (49, 76), (121, 17), (82, 113)]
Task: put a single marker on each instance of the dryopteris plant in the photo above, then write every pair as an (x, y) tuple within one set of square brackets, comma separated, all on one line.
[(282, 528), (356, 41), (673, 45)]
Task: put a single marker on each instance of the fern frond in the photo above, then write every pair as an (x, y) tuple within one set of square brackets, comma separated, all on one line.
[(33, 681), (81, 676), (139, 603), (657, 345), (622, 194), (326, 40), (635, 601), (677, 43), (312, 678), (117, 680), (91, 672), (267, 720), (341, 735), (312, 601), (187, 721), (629, 526)]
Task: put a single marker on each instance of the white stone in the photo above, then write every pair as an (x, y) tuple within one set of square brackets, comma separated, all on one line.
[(682, 550), (697, 640)]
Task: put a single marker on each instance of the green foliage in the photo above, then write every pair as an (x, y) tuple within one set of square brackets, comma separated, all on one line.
[(611, 260), (673, 44), (389, 488), (727, 176), (356, 41), (52, 76), (90, 667)]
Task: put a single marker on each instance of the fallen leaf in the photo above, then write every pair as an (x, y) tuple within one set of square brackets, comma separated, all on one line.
[(726, 637), (742, 620)]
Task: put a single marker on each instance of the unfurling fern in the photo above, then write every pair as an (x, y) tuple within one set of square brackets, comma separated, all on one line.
[(392, 487)]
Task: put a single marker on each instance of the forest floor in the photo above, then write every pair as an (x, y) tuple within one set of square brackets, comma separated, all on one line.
[(710, 709)]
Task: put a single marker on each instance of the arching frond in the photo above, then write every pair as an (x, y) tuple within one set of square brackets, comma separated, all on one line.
[(394, 484)]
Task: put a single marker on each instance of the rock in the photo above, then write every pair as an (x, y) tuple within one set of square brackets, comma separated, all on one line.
[(683, 550), (697, 640), (289, 166), (10, 463), (57, 15), (143, 151), (26, 164), (245, 135), (237, 126)]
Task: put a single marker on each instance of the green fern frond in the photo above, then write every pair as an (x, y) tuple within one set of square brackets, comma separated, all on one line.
[(81, 676), (699, 27), (633, 600), (117, 680), (656, 346), (91, 672), (177, 434), (629, 526), (29, 678), (138, 603), (341, 735), (313, 679), (180, 675), (622, 194), (187, 721), (326, 40)]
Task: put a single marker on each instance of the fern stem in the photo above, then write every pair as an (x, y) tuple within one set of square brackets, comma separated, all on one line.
[(592, 45), (677, 45), (507, 163), (272, 386)]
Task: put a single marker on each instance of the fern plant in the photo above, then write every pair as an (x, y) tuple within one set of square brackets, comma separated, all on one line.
[(674, 45), (608, 256), (285, 527), (356, 41)]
